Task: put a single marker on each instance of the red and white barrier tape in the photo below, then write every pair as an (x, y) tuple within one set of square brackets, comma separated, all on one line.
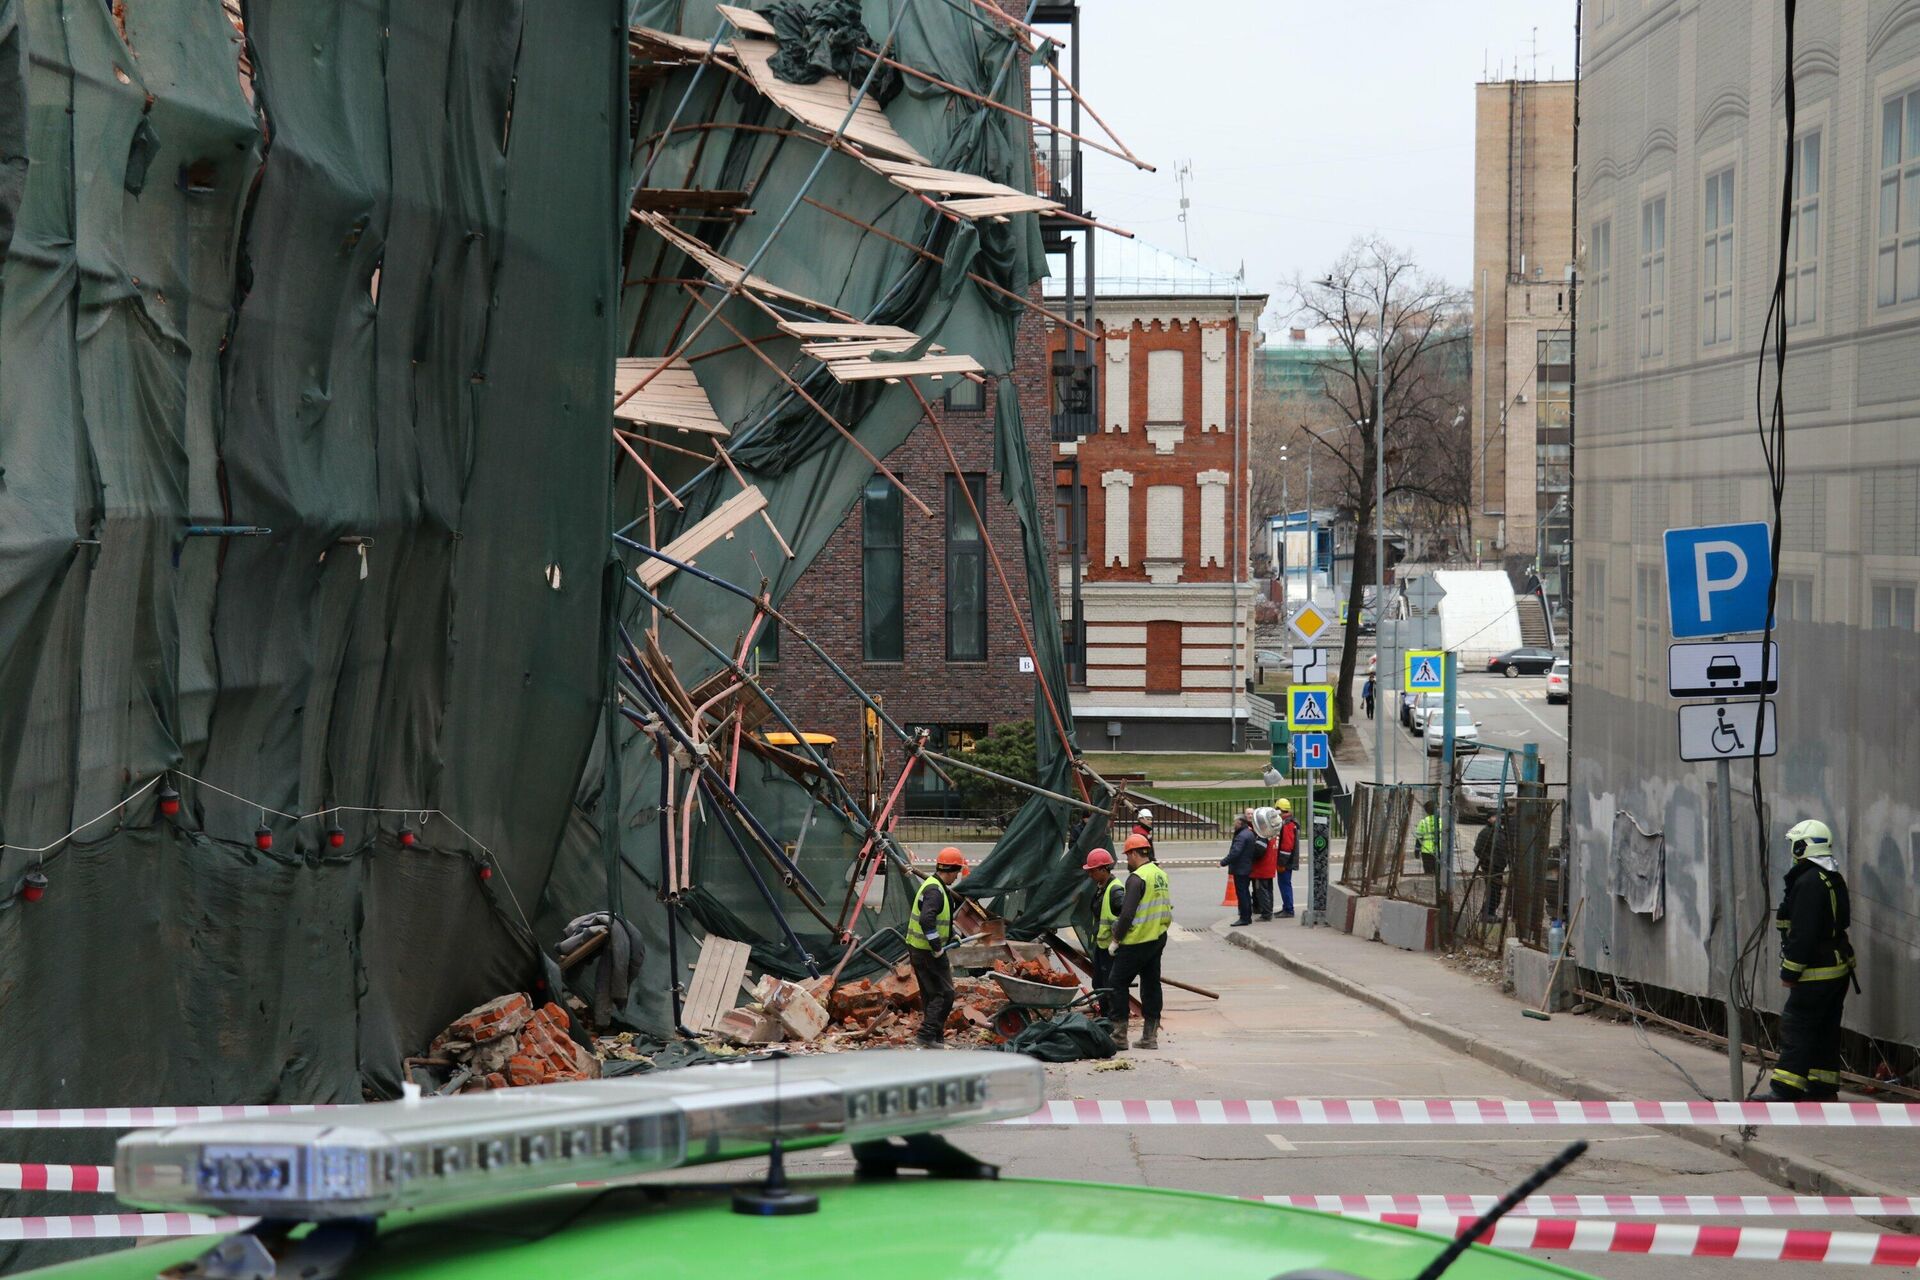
[(144, 1117), (56, 1177), (103, 1226), (1616, 1206), (1421, 1111), (1678, 1240)]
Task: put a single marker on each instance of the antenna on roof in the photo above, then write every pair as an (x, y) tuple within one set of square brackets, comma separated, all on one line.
[(775, 1197), (1181, 175)]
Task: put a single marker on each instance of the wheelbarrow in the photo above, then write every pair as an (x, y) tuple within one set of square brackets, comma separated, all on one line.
[(1029, 1001)]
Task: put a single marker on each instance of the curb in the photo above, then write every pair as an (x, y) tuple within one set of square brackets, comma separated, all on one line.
[(1784, 1168)]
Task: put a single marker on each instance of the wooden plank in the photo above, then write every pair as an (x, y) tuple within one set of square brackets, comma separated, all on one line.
[(674, 399), (823, 106), (668, 41), (716, 981), (717, 524), (826, 351), (746, 20), (721, 267), (868, 370), (999, 206), (807, 330), (926, 178)]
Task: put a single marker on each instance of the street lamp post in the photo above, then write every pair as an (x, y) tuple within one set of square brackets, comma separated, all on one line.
[(1379, 514)]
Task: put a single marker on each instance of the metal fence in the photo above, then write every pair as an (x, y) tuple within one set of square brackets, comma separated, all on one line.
[(1193, 820)]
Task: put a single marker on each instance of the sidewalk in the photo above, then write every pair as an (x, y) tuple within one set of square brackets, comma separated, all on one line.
[(1583, 1057)]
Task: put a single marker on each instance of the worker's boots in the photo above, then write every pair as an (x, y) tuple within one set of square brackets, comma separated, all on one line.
[(1120, 1036), (1150, 1036)]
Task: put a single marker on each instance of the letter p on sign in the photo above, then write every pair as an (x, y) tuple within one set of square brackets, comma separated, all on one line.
[(1718, 578)]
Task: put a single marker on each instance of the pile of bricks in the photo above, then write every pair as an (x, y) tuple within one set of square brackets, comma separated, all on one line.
[(1036, 971), (508, 1042)]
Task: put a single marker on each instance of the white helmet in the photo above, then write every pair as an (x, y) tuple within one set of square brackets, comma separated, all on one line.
[(1809, 838), (1145, 815)]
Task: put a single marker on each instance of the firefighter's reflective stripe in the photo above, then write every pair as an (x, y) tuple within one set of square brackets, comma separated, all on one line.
[(1789, 1078), (1154, 916), (916, 936)]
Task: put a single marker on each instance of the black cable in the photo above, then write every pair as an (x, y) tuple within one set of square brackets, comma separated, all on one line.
[(1771, 422), (1484, 1223)]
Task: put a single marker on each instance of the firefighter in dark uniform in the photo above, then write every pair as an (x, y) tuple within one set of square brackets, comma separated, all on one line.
[(1110, 891), (929, 934), (1816, 966)]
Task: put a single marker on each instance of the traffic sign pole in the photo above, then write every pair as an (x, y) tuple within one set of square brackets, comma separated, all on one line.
[(1448, 702), (1723, 819), (1307, 916)]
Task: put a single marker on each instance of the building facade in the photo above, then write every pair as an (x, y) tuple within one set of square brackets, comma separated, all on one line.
[(1683, 158), (1522, 362), (1165, 598)]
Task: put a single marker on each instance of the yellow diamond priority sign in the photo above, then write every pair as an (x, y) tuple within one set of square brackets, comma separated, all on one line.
[(1308, 622)]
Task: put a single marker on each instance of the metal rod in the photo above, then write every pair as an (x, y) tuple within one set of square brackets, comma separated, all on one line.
[(1014, 782), (1723, 825)]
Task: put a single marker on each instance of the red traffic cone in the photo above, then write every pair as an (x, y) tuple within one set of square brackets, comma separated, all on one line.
[(1232, 899)]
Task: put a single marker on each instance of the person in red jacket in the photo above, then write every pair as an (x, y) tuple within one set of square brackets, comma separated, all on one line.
[(1287, 843), (1265, 867)]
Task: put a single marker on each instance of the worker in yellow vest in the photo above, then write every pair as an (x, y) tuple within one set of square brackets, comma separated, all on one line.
[(1426, 840), (1139, 938), (929, 934), (1109, 890)]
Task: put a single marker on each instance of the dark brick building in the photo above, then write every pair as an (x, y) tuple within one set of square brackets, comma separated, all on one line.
[(951, 658)]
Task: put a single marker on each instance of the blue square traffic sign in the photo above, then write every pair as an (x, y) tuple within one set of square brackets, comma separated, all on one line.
[(1310, 750), (1717, 579), (1310, 706)]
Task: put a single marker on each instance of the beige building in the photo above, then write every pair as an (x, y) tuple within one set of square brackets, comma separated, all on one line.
[(1683, 148), (1522, 367)]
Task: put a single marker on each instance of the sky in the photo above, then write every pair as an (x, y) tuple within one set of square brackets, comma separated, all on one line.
[(1305, 124)]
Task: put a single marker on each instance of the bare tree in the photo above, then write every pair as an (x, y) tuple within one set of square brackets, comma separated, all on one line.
[(1426, 331)]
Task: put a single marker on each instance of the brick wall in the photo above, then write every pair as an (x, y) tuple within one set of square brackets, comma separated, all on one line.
[(925, 688)]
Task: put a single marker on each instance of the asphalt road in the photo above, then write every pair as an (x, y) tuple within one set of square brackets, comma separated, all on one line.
[(1275, 1035), (1510, 713)]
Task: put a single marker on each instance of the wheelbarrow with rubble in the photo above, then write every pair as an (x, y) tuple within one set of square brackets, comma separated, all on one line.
[(1029, 1001)]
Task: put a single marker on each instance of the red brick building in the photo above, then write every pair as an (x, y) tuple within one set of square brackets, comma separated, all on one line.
[(1166, 593), (913, 608)]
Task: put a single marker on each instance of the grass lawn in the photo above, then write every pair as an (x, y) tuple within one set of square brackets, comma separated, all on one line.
[(1172, 767), (1253, 795)]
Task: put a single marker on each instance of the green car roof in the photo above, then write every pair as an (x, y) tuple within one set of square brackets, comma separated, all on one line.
[(1013, 1229)]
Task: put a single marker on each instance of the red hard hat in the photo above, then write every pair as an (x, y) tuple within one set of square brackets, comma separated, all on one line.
[(1097, 858), (950, 857)]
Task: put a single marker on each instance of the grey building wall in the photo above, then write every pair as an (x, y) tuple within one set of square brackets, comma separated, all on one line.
[(1675, 91)]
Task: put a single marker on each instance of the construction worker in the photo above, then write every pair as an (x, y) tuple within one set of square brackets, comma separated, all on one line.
[(1143, 825), (1426, 840), (1288, 842), (1111, 889), (1816, 966), (1139, 936), (929, 934)]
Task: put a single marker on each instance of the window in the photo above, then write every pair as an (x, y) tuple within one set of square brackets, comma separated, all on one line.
[(967, 396), (1898, 272), (1553, 391), (882, 572), (1793, 600), (927, 785), (1649, 631), (1716, 260), (1653, 277), (1166, 522), (1893, 605), (1163, 657), (966, 571), (1167, 386), (1600, 289), (766, 642), (1063, 530), (1803, 233)]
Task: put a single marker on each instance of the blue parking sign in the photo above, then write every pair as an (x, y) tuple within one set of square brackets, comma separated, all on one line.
[(1310, 750), (1717, 579)]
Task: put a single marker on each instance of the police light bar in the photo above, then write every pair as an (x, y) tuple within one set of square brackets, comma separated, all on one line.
[(360, 1161)]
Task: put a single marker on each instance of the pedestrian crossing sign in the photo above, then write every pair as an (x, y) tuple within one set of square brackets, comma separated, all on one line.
[(1426, 671), (1309, 707)]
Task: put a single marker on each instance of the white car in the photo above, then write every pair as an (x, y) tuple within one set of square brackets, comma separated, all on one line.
[(1466, 734), (1425, 707), (1560, 681)]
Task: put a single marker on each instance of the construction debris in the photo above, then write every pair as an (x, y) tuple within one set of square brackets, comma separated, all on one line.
[(508, 1042)]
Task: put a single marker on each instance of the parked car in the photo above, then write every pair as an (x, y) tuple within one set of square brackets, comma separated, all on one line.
[(1476, 795), (1535, 662), (1466, 734), (1269, 660), (1560, 681), (1426, 707)]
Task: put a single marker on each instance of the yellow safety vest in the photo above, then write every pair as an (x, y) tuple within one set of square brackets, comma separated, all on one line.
[(942, 927), (1154, 916), (1426, 836), (1104, 937)]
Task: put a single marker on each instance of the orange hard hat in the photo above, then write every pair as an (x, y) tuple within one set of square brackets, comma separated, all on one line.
[(1097, 858), (951, 857), (1136, 841)]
